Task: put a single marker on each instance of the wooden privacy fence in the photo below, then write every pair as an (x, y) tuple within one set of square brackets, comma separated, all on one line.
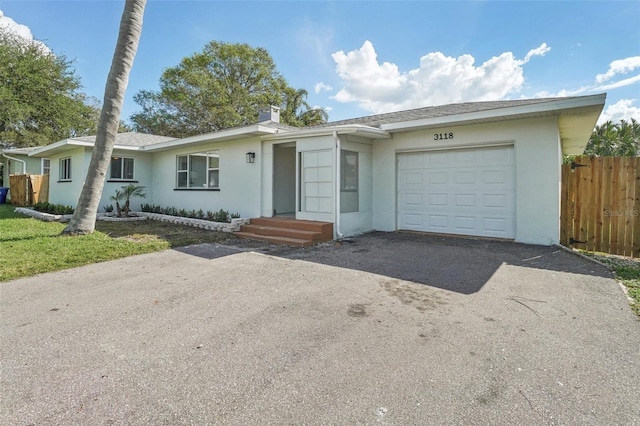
[(26, 190), (600, 205)]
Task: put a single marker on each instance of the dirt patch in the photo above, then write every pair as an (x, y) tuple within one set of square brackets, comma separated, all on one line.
[(419, 296), (357, 310)]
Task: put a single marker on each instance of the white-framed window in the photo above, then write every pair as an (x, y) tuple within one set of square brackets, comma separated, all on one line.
[(121, 168), (200, 170), (45, 166), (65, 168), (349, 198)]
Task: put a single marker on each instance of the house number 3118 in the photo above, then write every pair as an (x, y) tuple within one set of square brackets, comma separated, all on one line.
[(442, 136)]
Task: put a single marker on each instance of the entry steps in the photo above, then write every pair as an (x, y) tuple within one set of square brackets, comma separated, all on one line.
[(287, 231)]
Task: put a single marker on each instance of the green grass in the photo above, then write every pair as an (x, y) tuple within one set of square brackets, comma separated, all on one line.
[(627, 271), (29, 246)]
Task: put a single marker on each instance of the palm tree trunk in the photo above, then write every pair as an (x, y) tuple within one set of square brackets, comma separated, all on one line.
[(84, 218)]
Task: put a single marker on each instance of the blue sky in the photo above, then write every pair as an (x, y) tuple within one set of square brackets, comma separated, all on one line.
[(361, 57)]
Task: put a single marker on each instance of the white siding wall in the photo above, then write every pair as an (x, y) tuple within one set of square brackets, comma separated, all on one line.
[(142, 176), (239, 181), (362, 220), (67, 193), (537, 156)]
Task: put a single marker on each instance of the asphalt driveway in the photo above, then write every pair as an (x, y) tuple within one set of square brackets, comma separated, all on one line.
[(384, 329)]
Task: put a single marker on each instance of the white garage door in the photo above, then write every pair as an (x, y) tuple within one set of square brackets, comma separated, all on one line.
[(462, 191)]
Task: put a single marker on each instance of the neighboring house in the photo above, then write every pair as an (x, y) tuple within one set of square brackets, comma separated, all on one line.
[(488, 169), (16, 161)]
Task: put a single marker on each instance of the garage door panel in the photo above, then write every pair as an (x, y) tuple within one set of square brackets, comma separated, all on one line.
[(463, 191)]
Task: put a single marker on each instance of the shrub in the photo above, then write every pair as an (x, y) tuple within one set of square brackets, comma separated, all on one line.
[(219, 216), (50, 208)]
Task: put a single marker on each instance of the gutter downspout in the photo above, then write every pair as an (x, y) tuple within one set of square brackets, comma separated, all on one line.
[(24, 163), (338, 234)]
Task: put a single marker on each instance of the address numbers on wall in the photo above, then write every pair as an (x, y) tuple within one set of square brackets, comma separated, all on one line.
[(442, 136)]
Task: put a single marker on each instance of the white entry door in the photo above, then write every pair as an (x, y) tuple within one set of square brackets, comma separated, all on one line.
[(316, 185), (461, 191)]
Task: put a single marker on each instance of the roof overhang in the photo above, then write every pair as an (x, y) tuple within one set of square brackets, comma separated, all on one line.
[(352, 129), (577, 118), (59, 147), (214, 137)]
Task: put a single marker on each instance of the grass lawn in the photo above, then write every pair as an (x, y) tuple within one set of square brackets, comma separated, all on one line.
[(626, 271), (29, 246)]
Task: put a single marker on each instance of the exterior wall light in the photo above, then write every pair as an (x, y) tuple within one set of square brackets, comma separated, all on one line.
[(251, 157)]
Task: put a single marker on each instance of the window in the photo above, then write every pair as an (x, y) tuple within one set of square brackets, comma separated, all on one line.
[(121, 168), (199, 170), (45, 166), (349, 200), (65, 168), (348, 171)]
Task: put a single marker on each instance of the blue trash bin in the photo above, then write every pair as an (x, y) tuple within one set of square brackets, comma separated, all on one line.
[(3, 195)]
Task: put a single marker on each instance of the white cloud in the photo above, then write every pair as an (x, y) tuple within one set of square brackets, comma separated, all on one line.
[(22, 31), (620, 66), (621, 110), (539, 51), (321, 87), (439, 80)]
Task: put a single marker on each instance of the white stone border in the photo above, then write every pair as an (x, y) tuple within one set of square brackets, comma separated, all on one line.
[(234, 226)]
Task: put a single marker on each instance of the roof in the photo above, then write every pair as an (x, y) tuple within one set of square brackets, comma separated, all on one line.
[(379, 120), (127, 141), (130, 139), (19, 151), (576, 115)]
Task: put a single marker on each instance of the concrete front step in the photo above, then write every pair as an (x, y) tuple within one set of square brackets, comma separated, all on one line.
[(281, 230)]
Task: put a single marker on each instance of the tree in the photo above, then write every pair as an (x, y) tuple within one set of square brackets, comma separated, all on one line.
[(40, 97), (83, 220), (220, 87), (297, 111), (615, 140)]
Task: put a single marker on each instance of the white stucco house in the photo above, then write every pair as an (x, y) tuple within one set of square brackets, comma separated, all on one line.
[(488, 169)]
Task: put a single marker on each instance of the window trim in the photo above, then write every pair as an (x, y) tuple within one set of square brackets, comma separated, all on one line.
[(122, 167), (42, 167), (343, 176), (64, 177), (187, 171)]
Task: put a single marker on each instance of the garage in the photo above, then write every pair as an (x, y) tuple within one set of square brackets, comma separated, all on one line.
[(466, 191)]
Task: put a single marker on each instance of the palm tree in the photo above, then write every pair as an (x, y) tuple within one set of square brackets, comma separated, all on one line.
[(127, 193), (84, 218), (298, 112)]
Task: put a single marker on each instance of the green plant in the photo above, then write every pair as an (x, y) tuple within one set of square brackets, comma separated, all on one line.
[(58, 209), (108, 208), (126, 194), (220, 216)]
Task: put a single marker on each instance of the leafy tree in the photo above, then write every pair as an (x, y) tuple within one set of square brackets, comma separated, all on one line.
[(83, 220), (220, 87), (615, 140), (40, 97)]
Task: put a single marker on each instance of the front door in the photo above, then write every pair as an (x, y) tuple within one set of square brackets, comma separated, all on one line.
[(316, 184)]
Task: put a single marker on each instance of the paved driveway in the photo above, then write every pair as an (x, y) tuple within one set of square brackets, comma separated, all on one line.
[(386, 329)]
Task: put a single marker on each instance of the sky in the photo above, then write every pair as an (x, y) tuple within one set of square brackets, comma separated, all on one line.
[(357, 58)]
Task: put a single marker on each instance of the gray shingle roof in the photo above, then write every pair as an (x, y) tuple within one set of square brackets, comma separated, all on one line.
[(130, 139), (436, 111)]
